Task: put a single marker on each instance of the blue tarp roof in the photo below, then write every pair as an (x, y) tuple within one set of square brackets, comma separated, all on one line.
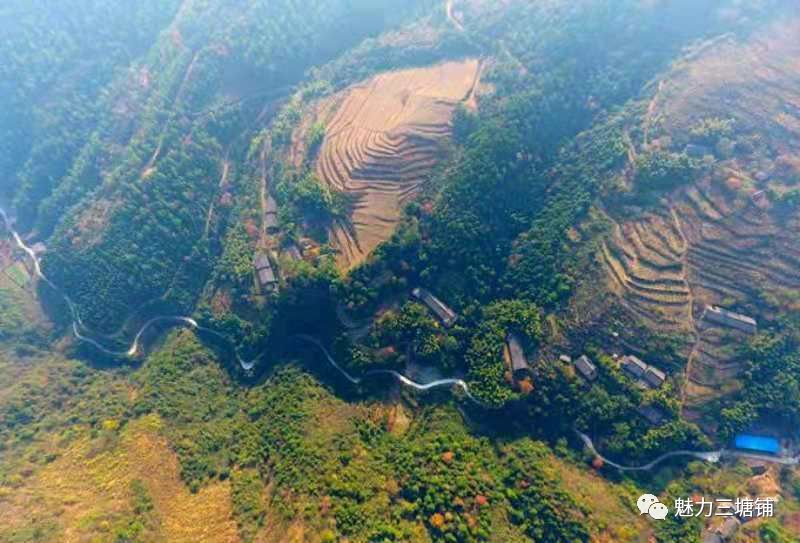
[(758, 443)]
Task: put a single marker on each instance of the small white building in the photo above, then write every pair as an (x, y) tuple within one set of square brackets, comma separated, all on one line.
[(723, 317)]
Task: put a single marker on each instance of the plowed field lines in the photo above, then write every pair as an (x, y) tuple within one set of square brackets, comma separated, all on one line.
[(382, 142)]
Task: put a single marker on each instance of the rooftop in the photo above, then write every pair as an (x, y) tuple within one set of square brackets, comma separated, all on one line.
[(729, 318), (762, 444), (445, 314), (517, 354), (654, 376), (654, 415), (586, 367), (634, 365), (261, 261)]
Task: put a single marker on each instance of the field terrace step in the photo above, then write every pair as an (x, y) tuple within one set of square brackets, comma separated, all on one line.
[(705, 275), (656, 233), (644, 250), (741, 268), (634, 264), (384, 138)]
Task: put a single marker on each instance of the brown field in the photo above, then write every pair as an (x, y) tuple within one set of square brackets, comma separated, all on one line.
[(713, 243), (383, 138), (757, 82)]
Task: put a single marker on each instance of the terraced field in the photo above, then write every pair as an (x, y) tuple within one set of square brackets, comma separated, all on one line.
[(710, 248), (757, 82), (719, 241), (644, 261), (383, 139)]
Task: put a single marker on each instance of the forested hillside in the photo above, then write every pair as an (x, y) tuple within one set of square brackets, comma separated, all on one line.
[(424, 250)]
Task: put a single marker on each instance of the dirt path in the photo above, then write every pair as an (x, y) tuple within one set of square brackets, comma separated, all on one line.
[(451, 16), (697, 332), (223, 179), (651, 109), (264, 189)]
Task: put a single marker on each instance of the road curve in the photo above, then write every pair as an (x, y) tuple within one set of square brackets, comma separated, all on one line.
[(79, 330), (458, 383), (712, 457), (83, 334)]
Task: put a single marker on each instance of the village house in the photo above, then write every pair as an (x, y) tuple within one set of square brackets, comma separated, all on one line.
[(634, 367), (271, 214), (723, 317), (586, 368), (643, 373), (446, 315), (725, 532), (519, 364), (293, 252), (654, 377), (697, 151), (265, 273)]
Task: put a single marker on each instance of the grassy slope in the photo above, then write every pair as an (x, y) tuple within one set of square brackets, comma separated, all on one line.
[(89, 439)]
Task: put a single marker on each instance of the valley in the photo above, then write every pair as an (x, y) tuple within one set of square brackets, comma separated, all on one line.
[(384, 271)]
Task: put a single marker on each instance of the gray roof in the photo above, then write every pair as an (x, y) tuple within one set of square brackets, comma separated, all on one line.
[(261, 261), (654, 377), (729, 318), (271, 220), (266, 276), (293, 252), (518, 360), (634, 366), (272, 205), (586, 367), (697, 151), (445, 314), (729, 528)]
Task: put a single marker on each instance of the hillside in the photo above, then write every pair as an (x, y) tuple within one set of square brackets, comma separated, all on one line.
[(359, 270), (382, 141), (727, 239)]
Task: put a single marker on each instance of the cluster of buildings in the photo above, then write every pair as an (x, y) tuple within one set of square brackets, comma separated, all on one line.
[(645, 375)]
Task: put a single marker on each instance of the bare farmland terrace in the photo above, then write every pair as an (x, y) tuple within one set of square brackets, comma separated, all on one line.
[(383, 138), (719, 241)]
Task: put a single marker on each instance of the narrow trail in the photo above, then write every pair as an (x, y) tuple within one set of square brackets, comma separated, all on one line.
[(226, 165), (651, 109), (697, 332), (451, 16)]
